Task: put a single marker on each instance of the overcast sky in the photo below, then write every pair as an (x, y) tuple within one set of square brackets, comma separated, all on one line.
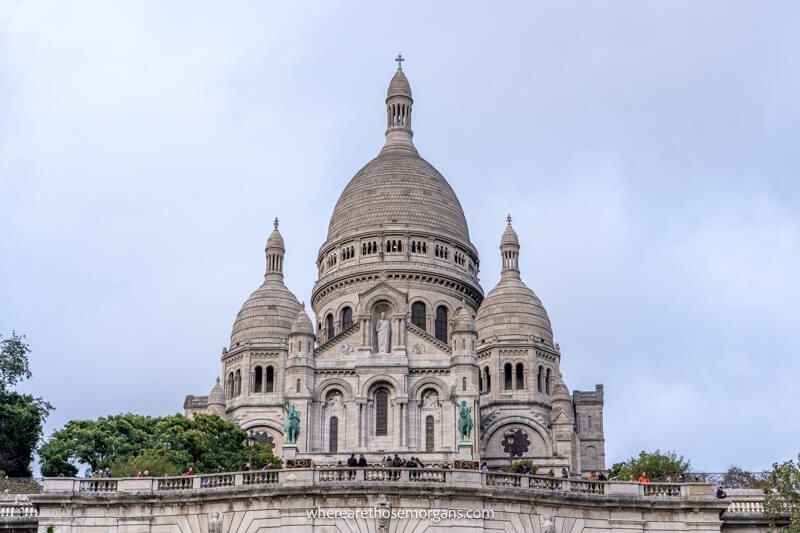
[(648, 153)]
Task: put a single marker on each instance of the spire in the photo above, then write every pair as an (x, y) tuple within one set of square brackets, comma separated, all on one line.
[(275, 251), (509, 251), (398, 109)]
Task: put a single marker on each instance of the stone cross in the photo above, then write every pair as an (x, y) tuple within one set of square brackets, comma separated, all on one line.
[(399, 60)]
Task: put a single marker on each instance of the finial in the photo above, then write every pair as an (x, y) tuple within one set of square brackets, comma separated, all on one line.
[(275, 223), (217, 380), (508, 219), (399, 60)]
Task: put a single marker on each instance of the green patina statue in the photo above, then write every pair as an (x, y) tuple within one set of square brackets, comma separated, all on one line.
[(464, 420), (292, 425)]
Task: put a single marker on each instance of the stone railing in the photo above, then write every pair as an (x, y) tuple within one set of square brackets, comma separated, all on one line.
[(328, 476), (11, 511), (746, 506)]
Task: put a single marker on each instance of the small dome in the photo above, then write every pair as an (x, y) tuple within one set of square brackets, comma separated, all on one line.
[(217, 395), (267, 315), (463, 321), (513, 311), (399, 86), (302, 324)]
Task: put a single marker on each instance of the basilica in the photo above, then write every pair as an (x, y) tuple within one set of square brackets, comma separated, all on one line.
[(404, 342)]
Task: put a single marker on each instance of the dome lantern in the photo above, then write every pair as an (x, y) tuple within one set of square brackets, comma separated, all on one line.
[(509, 251), (398, 109), (275, 251)]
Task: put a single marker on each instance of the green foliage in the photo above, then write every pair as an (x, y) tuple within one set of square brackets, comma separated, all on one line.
[(22, 416), (782, 496), (517, 464), (264, 458), (131, 443), (657, 465), (736, 478), (13, 361), (153, 462)]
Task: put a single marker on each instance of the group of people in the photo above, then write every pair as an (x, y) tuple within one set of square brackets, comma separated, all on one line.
[(644, 478), (387, 462)]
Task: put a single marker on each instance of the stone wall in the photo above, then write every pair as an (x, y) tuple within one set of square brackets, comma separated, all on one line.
[(419, 500)]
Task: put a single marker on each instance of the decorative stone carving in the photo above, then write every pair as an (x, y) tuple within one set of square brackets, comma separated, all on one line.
[(383, 513), (347, 349), (548, 524), (215, 522), (430, 399), (334, 400), (418, 348), (516, 442)]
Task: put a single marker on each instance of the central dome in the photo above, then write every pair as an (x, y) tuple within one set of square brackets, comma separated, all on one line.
[(398, 188)]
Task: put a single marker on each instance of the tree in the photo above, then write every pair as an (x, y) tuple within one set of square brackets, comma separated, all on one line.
[(782, 496), (736, 478), (657, 465), (131, 443), (22, 416)]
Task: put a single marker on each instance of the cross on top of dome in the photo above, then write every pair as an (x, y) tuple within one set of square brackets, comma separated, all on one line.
[(275, 223), (508, 219), (399, 60)]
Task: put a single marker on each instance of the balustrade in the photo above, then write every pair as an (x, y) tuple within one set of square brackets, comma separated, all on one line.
[(263, 477), (587, 487), (661, 489), (174, 483), (98, 485), (18, 510), (503, 480)]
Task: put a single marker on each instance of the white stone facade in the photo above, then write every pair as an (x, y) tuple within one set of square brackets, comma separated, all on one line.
[(398, 258)]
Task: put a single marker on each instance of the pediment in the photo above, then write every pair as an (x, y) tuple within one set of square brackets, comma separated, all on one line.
[(421, 346), (382, 291)]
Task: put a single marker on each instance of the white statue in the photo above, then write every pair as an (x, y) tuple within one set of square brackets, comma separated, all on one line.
[(382, 328)]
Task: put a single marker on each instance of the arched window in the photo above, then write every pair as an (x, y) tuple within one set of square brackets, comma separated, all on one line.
[(381, 413), (270, 381), (329, 326), (441, 323), (480, 381), (347, 318), (258, 379), (547, 382), (429, 433), (237, 383), (589, 423), (487, 379), (333, 435), (540, 379), (507, 377), (463, 383), (297, 386), (231, 386), (520, 376), (418, 317)]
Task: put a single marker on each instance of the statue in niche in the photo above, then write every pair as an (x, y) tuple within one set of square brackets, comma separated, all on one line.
[(383, 331), (334, 400), (430, 399)]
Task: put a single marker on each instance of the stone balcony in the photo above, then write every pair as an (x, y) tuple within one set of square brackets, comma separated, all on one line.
[(341, 477)]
